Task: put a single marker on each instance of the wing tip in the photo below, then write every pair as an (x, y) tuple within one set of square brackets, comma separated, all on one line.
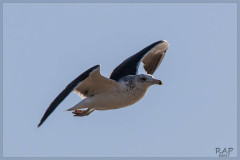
[(60, 98), (97, 66), (164, 44), (39, 125), (152, 61)]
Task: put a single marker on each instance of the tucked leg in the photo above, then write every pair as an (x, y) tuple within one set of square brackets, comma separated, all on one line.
[(82, 113)]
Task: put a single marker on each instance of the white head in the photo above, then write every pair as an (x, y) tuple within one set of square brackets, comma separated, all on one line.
[(147, 80)]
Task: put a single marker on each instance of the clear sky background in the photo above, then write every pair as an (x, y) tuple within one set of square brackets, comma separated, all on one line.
[(47, 45)]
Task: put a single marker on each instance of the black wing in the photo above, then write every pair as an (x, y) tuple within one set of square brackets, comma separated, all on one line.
[(70, 87), (151, 56)]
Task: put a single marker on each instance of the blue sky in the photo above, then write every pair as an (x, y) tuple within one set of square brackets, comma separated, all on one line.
[(47, 45)]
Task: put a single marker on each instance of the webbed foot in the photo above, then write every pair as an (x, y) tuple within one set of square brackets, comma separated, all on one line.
[(81, 113)]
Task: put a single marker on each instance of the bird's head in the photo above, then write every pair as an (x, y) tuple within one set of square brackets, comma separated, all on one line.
[(147, 80)]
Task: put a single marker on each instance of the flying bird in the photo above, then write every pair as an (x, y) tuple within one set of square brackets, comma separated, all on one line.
[(124, 87)]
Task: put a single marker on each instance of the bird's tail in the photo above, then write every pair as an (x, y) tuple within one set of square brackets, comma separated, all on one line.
[(80, 105)]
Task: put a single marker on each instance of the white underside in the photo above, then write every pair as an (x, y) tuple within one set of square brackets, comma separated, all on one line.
[(110, 100), (104, 94)]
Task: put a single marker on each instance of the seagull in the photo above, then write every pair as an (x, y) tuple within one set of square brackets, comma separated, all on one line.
[(124, 87)]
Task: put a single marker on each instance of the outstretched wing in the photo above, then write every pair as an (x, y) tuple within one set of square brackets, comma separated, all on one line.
[(151, 56), (95, 83), (81, 84)]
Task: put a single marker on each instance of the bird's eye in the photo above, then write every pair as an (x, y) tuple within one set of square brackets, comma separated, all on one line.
[(143, 79)]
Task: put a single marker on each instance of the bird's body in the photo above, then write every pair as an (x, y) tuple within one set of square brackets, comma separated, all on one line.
[(114, 99), (124, 87), (125, 92)]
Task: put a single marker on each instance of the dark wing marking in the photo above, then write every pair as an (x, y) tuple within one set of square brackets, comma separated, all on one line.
[(151, 56), (70, 87)]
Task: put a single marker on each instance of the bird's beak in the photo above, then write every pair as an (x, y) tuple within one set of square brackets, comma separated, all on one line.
[(158, 82)]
